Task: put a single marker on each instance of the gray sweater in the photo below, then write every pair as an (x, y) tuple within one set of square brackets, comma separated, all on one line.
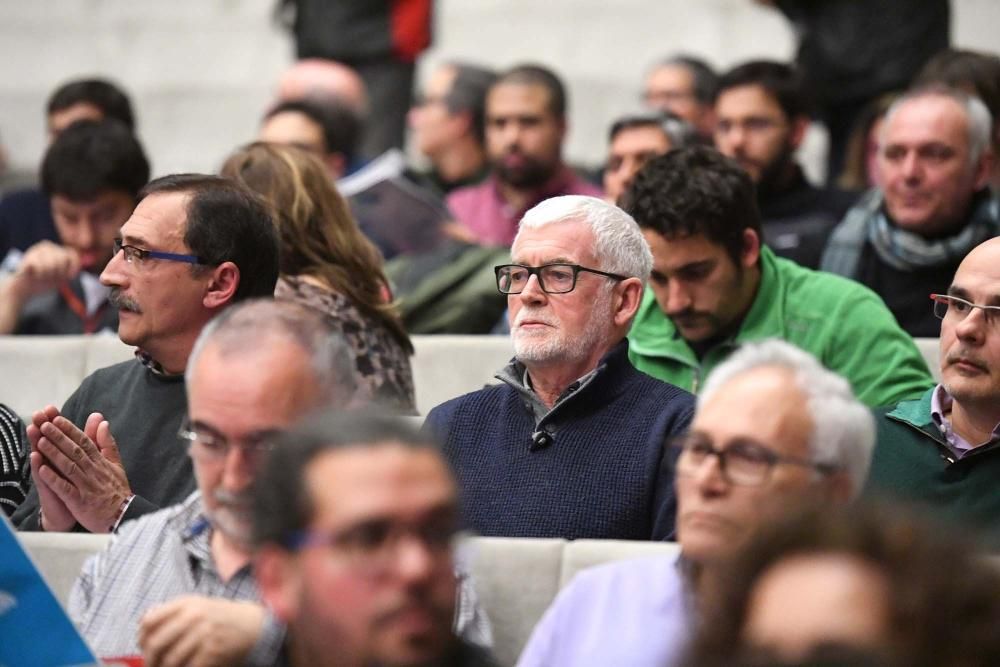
[(145, 411)]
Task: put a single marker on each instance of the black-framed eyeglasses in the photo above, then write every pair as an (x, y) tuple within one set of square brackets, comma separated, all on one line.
[(213, 448), (136, 256), (373, 546), (959, 309), (555, 278), (741, 462)]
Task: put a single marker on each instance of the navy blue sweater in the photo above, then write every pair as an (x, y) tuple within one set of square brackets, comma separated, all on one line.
[(601, 472)]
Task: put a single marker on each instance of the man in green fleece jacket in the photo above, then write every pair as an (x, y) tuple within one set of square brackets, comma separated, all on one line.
[(714, 286), (943, 449)]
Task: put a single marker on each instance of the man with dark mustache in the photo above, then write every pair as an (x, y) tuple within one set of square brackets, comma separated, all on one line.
[(942, 451), (715, 285), (193, 246)]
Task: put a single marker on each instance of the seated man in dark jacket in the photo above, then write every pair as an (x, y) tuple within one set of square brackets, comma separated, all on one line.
[(571, 443), (762, 117), (943, 450)]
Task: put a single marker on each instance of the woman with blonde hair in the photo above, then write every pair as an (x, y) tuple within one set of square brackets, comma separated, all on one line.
[(328, 264)]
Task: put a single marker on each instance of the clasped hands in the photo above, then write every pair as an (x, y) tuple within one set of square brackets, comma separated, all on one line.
[(78, 474)]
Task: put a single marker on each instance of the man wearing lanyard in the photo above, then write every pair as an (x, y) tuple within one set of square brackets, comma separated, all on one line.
[(92, 173)]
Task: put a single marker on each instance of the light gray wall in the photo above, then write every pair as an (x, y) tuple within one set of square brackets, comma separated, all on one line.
[(201, 71)]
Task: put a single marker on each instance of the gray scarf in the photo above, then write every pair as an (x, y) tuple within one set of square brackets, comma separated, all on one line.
[(899, 248)]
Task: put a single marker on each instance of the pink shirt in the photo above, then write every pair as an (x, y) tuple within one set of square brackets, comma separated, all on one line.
[(482, 209)]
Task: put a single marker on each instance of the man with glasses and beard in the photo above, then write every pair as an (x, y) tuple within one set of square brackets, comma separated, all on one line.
[(762, 115), (525, 130), (942, 451), (570, 444), (193, 246), (773, 430)]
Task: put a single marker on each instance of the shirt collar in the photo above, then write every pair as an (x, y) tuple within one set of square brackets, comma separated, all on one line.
[(941, 404)]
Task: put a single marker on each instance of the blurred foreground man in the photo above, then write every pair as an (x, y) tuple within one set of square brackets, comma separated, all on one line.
[(354, 522)]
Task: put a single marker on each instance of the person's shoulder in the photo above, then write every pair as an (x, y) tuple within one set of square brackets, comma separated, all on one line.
[(25, 197), (470, 194), (812, 285), (486, 396), (632, 578), (114, 373)]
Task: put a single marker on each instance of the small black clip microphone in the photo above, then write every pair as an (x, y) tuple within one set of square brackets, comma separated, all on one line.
[(540, 440)]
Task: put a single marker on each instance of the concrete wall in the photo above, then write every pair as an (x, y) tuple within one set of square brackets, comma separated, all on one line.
[(201, 71)]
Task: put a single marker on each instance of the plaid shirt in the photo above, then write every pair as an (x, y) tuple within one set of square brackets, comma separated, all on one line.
[(153, 560), (163, 555)]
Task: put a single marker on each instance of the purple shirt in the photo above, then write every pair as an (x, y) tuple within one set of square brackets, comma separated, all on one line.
[(941, 402), (483, 210), (630, 612)]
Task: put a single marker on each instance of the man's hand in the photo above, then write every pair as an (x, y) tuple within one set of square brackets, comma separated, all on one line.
[(199, 631), (87, 478), (44, 266), (54, 514)]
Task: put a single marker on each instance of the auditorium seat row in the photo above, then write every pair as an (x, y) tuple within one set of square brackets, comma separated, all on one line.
[(37, 370)]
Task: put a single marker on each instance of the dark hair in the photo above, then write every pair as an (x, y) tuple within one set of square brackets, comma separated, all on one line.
[(340, 125), (938, 585), (537, 75), (781, 81), (695, 190), (282, 505), (226, 223), (90, 158), (678, 131), (468, 94), (106, 96), (706, 81)]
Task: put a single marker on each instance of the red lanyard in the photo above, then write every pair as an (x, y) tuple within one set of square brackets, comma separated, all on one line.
[(90, 322)]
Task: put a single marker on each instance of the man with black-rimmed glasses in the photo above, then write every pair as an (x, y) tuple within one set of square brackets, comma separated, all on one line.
[(193, 246), (570, 444), (942, 451), (773, 431)]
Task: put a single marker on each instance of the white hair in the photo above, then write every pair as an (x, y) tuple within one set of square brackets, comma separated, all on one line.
[(618, 243), (843, 428), (977, 115)]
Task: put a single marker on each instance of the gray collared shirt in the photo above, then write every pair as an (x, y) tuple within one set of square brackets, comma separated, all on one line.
[(941, 402)]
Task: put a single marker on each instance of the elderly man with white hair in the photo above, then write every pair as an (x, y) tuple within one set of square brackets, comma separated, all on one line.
[(773, 430), (570, 444)]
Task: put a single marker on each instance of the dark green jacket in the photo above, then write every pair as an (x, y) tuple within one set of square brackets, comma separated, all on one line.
[(912, 464)]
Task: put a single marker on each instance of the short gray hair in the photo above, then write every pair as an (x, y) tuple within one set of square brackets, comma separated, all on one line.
[(244, 327), (843, 428), (977, 116), (618, 242)]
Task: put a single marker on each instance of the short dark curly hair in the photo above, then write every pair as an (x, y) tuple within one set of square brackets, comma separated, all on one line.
[(695, 191)]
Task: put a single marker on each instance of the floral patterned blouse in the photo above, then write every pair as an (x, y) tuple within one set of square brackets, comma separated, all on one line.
[(382, 364)]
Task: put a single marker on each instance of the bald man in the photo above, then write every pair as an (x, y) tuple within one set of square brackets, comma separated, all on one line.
[(943, 450)]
